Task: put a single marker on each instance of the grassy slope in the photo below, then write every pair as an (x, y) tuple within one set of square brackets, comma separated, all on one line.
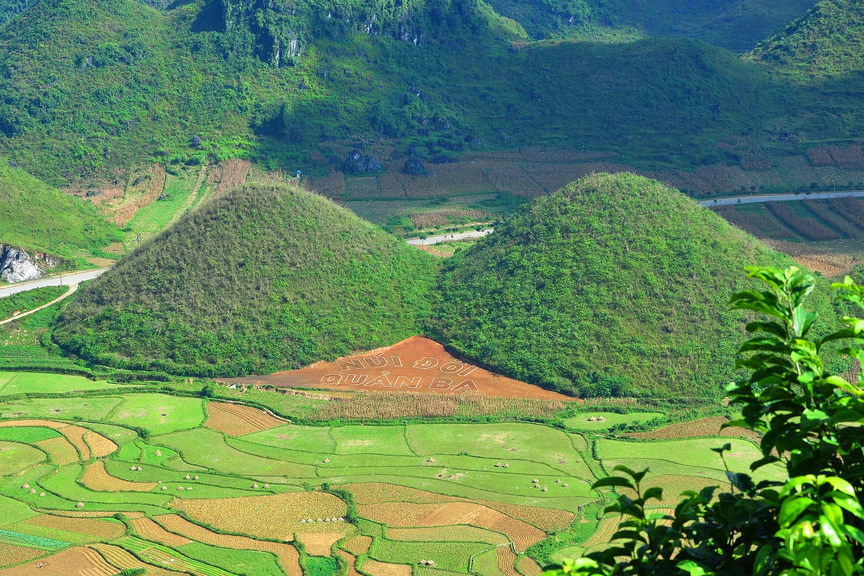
[(614, 285), (826, 43), (262, 279), (38, 217)]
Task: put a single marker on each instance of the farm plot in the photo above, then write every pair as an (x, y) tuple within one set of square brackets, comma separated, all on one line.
[(96, 478), (371, 440), (375, 568), (236, 419), (73, 530), (453, 556), (254, 515), (159, 413), (40, 383), (590, 421), (287, 554), (78, 561), (87, 409), (11, 554), (712, 426), (123, 560), (16, 457), (221, 457), (683, 456), (501, 442), (300, 438), (59, 450), (520, 533)]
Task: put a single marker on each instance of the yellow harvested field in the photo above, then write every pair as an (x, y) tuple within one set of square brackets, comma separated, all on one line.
[(320, 544), (77, 561), (547, 519), (357, 545), (10, 554), (600, 539), (288, 556), (100, 446), (507, 561), (123, 560), (377, 493), (375, 568), (448, 534), (236, 419), (254, 515), (84, 513), (59, 450), (520, 533), (97, 478), (529, 567), (102, 529), (43, 423), (75, 435), (149, 530), (697, 428)]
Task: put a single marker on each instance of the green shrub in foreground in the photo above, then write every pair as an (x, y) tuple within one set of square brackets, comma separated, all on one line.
[(810, 524)]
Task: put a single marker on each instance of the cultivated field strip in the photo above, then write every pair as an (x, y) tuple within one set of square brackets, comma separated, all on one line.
[(429, 499), (287, 554)]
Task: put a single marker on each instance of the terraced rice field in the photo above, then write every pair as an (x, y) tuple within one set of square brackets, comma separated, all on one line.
[(219, 489)]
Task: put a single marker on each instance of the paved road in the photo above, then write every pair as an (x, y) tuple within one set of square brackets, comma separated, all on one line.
[(63, 280), (454, 237), (781, 198)]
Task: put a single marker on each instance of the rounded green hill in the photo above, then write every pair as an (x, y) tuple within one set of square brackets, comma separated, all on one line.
[(265, 278), (614, 285)]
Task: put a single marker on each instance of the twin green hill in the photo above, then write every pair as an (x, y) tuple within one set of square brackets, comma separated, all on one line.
[(267, 277), (614, 285)]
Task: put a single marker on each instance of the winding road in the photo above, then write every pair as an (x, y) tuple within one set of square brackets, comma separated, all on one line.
[(62, 280)]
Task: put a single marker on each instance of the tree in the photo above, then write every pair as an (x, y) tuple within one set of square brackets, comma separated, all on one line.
[(810, 524)]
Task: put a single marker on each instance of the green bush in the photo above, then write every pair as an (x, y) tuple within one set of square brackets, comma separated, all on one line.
[(809, 419)]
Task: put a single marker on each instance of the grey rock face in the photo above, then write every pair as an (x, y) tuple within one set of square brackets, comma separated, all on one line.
[(358, 163), (414, 166), (17, 265)]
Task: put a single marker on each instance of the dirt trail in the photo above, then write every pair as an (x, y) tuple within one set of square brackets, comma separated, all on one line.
[(68, 293)]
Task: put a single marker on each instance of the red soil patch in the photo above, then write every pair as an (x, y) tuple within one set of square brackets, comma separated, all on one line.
[(417, 364)]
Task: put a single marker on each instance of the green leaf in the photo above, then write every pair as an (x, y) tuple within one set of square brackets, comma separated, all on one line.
[(792, 509), (616, 481)]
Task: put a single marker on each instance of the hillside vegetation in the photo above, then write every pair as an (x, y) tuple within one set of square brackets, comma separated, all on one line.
[(265, 278), (615, 285), (826, 43), (37, 217), (94, 88)]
